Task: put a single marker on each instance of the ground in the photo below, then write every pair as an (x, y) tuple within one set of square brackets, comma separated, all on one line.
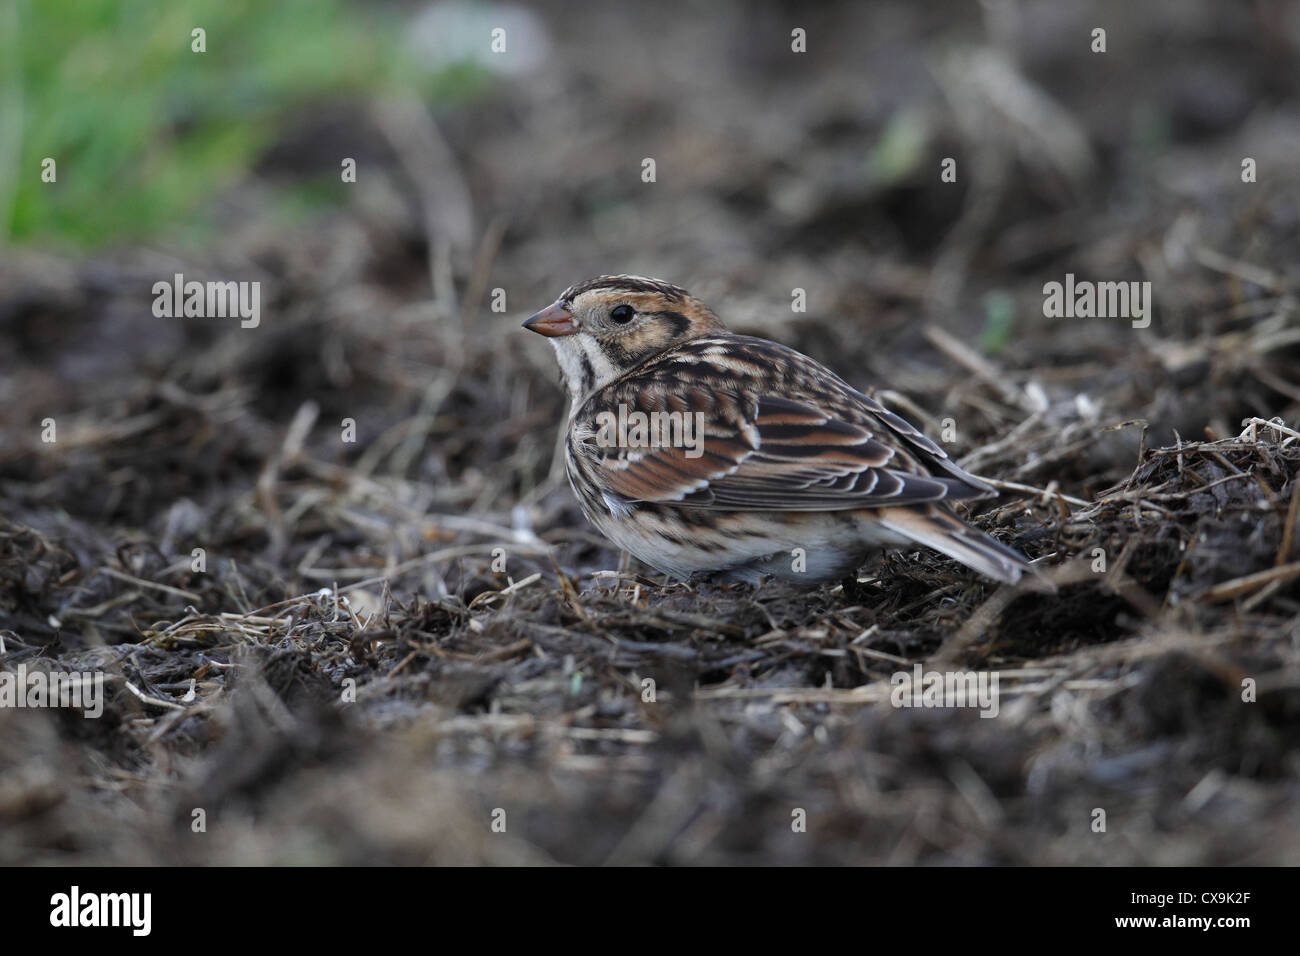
[(346, 606)]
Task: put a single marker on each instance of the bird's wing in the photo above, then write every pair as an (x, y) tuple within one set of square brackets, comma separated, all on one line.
[(758, 427)]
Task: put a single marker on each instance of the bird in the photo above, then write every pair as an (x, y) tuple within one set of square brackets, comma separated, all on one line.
[(710, 455)]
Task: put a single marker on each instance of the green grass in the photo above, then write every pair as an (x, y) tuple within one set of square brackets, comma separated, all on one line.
[(143, 130), (999, 322)]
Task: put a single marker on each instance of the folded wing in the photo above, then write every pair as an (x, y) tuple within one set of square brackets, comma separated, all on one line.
[(762, 441)]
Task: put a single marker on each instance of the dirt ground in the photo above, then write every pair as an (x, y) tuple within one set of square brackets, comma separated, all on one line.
[(352, 678)]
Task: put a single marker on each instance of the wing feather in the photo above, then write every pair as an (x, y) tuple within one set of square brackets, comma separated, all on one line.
[(776, 431)]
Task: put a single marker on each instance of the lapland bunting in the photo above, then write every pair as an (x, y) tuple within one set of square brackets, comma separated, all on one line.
[(703, 452)]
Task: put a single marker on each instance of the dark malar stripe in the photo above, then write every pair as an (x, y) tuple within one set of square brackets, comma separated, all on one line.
[(614, 353)]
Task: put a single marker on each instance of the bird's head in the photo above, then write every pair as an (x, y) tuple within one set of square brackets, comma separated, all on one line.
[(610, 325)]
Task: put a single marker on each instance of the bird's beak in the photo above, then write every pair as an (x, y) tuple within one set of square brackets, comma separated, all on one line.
[(552, 321)]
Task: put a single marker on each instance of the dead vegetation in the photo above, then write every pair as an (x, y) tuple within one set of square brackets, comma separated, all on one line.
[(349, 680)]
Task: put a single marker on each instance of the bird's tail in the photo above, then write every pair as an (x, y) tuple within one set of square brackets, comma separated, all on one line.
[(936, 527)]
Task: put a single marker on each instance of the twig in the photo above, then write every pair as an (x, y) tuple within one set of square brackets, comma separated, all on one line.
[(289, 449), (1241, 270), (1045, 493), (976, 364), (141, 582), (1228, 590), (152, 701)]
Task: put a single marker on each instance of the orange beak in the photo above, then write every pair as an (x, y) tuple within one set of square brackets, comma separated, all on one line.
[(552, 321)]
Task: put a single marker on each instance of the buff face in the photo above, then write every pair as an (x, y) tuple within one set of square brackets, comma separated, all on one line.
[(603, 327)]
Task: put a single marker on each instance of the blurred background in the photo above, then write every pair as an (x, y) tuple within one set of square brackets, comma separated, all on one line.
[(500, 154)]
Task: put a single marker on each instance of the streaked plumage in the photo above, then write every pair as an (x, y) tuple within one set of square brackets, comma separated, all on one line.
[(790, 457)]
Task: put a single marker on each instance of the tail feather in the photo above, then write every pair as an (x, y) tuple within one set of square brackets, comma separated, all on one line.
[(936, 527)]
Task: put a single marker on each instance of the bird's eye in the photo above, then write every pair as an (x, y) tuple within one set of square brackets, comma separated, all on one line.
[(622, 314)]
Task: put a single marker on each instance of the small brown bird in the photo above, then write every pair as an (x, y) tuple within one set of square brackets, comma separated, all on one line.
[(700, 451)]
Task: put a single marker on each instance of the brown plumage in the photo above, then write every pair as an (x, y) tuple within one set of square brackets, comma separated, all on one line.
[(758, 459)]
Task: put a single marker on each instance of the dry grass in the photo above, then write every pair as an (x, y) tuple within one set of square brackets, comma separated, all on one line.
[(349, 680)]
